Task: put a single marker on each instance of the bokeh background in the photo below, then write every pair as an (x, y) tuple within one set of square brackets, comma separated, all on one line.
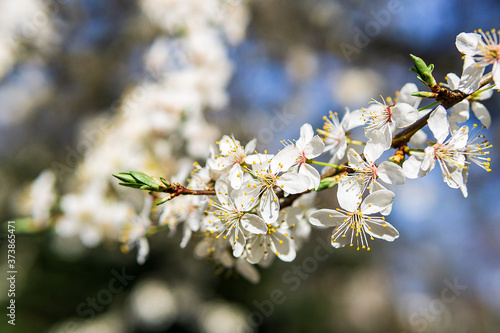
[(88, 88)]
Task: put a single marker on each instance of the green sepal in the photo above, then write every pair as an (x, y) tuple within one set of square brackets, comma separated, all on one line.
[(162, 200), (424, 94), (165, 182)]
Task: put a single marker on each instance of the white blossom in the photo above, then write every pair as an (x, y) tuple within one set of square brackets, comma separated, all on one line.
[(335, 132), (386, 118), (353, 224), (483, 48), (268, 175), (459, 113), (448, 153), (405, 95), (366, 174), (233, 157), (40, 199), (230, 221), (277, 241), (308, 147), (134, 232)]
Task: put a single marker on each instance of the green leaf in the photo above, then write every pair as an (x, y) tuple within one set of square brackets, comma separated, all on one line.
[(132, 185), (145, 179), (124, 177), (424, 72), (327, 183)]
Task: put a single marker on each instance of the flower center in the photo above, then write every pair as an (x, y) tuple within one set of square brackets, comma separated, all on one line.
[(302, 159), (492, 53)]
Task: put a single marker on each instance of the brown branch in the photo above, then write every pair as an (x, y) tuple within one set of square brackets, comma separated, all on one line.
[(177, 189), (447, 98)]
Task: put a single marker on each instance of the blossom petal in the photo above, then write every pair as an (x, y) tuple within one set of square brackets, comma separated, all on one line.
[(375, 146), (404, 114), (481, 112), (255, 249), (411, 166), (236, 176), (352, 119), (250, 146), (186, 237), (459, 138), (382, 230), (284, 160), (269, 206), (406, 97), (312, 174), (237, 240), (293, 183), (222, 189), (306, 135), (467, 42), (193, 221), (453, 81), (203, 248), (258, 160), (391, 173), (485, 94), (314, 147), (354, 158), (247, 196), (459, 113), (496, 73), (419, 139), (438, 123), (283, 247), (247, 270), (471, 79), (340, 241), (293, 215), (348, 193), (142, 250), (453, 178), (378, 187), (387, 131), (428, 161), (254, 224), (227, 144), (326, 218), (377, 202), (267, 261), (463, 188)]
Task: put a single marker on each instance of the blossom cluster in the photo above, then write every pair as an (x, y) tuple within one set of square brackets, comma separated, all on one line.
[(241, 208), (248, 208), (187, 74)]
